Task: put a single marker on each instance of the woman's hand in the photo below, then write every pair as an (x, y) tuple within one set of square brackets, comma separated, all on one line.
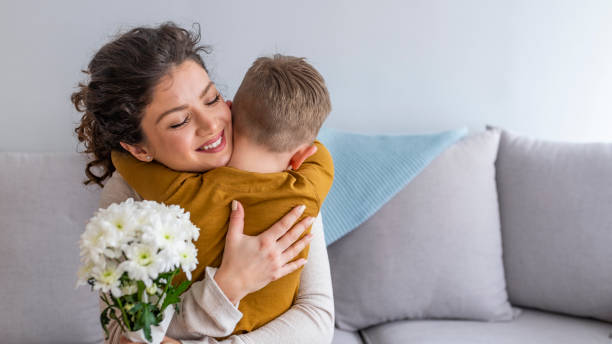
[(249, 263), (166, 340)]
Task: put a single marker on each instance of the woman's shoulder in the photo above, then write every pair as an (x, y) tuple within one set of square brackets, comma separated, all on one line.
[(117, 190)]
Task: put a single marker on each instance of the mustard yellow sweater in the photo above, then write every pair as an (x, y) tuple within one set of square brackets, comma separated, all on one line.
[(266, 197)]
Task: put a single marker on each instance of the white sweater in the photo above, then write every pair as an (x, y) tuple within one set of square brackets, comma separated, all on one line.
[(206, 312)]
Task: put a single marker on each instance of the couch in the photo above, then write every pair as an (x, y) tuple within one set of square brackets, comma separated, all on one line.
[(501, 239)]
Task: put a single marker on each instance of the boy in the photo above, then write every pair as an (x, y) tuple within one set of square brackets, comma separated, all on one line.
[(277, 112)]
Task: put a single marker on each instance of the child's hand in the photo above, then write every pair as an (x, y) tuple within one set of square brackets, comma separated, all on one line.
[(250, 263)]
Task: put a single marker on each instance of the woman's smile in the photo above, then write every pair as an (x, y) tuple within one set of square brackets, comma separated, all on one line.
[(215, 145)]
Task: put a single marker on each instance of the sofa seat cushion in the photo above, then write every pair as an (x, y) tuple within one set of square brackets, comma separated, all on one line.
[(346, 337), (531, 327)]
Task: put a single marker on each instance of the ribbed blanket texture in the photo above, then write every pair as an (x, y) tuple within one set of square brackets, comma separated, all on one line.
[(371, 169)]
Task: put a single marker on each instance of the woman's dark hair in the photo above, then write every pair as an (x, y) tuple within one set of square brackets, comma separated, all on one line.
[(123, 74)]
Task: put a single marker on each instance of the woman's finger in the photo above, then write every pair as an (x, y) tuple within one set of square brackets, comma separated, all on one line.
[(290, 253), (291, 267), (294, 233), (236, 221), (282, 226)]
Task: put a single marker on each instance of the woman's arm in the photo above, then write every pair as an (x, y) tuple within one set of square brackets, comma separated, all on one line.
[(311, 318), (312, 313), (205, 309)]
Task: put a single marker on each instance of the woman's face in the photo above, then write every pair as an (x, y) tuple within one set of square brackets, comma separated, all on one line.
[(188, 125)]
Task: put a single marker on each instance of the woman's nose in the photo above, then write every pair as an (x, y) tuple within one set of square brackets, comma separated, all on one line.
[(207, 125)]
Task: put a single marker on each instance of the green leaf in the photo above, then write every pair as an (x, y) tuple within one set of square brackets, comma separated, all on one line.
[(182, 287), (173, 294), (104, 319), (171, 298), (136, 308), (148, 319)]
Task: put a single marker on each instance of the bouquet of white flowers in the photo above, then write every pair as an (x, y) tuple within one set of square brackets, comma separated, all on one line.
[(134, 250)]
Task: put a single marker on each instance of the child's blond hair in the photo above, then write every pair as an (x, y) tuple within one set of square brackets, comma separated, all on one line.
[(281, 103)]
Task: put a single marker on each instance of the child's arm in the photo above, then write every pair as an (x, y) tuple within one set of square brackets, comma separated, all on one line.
[(154, 181), (319, 170)]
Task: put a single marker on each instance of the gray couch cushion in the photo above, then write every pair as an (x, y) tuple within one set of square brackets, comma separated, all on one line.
[(346, 337), (433, 251), (556, 207), (531, 327), (43, 210)]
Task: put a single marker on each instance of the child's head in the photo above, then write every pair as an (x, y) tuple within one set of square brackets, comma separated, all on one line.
[(281, 103)]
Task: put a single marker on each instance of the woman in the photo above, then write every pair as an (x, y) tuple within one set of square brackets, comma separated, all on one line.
[(138, 101)]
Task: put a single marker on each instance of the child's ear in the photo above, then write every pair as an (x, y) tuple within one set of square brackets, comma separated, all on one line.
[(302, 154)]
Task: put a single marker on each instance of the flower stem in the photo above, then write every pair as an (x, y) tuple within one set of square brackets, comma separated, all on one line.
[(125, 319), (141, 291), (103, 297), (166, 287)]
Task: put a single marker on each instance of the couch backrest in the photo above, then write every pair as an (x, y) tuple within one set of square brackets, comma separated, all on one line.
[(556, 219), (43, 210), (433, 251)]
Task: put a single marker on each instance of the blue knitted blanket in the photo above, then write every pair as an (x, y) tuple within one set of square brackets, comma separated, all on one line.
[(371, 169)]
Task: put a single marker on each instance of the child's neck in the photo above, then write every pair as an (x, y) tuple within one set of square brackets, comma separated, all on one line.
[(249, 156)]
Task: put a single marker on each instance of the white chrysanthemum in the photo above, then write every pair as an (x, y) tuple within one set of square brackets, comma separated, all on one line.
[(107, 278), (190, 231), (142, 263), (129, 289), (168, 259), (188, 258), (153, 289), (162, 233), (94, 241), (142, 238), (122, 220), (84, 273), (107, 230)]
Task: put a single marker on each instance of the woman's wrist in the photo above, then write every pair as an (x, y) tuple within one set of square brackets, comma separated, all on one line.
[(228, 286)]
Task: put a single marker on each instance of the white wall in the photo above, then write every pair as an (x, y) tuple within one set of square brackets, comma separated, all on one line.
[(538, 67)]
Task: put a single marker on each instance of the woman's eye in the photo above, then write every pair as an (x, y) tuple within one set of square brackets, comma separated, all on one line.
[(216, 99), (180, 124)]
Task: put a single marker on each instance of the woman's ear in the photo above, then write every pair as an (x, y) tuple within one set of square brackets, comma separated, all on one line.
[(301, 154), (137, 151)]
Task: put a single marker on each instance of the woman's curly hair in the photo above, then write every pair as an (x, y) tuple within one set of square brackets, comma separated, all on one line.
[(122, 76)]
